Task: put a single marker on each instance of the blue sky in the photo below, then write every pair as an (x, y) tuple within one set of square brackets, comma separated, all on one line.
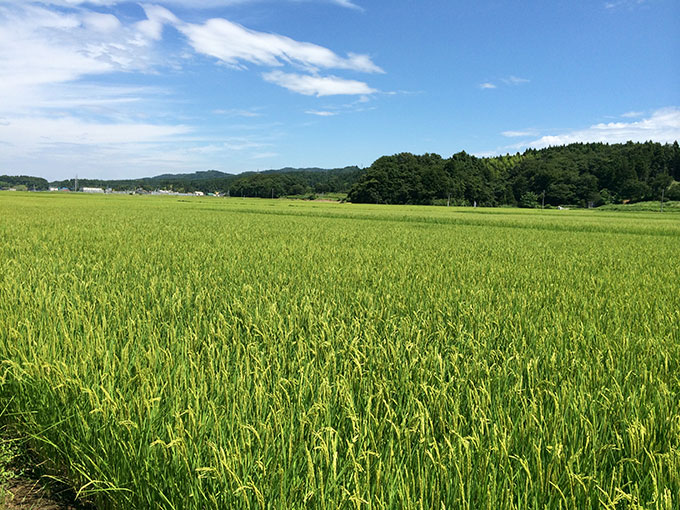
[(114, 89)]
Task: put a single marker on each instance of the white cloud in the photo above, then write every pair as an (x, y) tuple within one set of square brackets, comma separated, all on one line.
[(29, 58), (514, 80), (318, 85), (264, 155), (485, 154), (514, 134), (239, 143), (235, 45), (624, 3), (66, 3), (42, 47), (632, 115), (348, 4), (192, 4), (321, 113), (510, 81), (31, 133), (236, 112), (56, 117), (157, 17), (662, 126), (101, 22)]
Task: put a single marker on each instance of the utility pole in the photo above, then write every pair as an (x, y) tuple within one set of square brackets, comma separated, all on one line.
[(448, 202), (75, 185), (663, 191), (543, 200)]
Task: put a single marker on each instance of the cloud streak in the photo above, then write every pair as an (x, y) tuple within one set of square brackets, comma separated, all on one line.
[(514, 80), (516, 134), (321, 113), (511, 81), (236, 45), (318, 86), (193, 4), (630, 4)]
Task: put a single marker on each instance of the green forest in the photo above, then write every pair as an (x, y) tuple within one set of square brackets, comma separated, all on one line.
[(579, 175)]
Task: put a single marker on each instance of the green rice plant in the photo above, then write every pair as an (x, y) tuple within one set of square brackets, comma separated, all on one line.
[(230, 353)]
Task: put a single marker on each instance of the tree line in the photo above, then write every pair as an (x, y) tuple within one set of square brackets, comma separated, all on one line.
[(582, 174)]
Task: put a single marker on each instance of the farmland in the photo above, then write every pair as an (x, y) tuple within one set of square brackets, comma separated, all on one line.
[(231, 353)]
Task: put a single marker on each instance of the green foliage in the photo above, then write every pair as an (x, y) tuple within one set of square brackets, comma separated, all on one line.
[(236, 353), (528, 200), (655, 206), (23, 182), (402, 179), (568, 175), (673, 192)]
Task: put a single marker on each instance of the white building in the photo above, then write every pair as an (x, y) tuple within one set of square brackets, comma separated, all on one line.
[(92, 190)]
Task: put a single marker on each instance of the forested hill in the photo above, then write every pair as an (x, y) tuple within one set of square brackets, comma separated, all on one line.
[(577, 174), (23, 182)]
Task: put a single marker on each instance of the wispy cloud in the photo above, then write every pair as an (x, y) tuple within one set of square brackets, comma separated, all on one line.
[(41, 47), (318, 85), (661, 126), (45, 50), (348, 4), (630, 4), (514, 80), (264, 155), (321, 113), (237, 112), (235, 45), (192, 4), (515, 134), (55, 55), (35, 132), (509, 81), (632, 115)]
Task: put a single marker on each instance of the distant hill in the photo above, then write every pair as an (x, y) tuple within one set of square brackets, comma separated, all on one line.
[(267, 183), (23, 182), (196, 176)]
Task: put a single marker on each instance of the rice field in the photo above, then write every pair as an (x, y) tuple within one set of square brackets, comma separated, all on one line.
[(229, 353)]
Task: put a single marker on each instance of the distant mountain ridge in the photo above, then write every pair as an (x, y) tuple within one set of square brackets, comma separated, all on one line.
[(265, 183), (197, 176), (216, 174)]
